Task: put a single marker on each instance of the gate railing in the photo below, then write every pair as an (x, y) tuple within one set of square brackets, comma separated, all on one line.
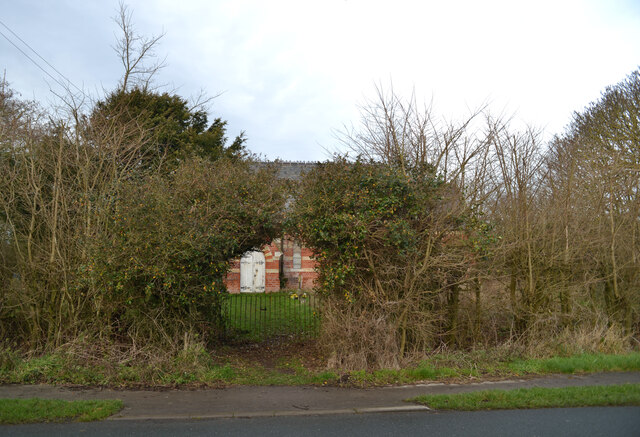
[(261, 316)]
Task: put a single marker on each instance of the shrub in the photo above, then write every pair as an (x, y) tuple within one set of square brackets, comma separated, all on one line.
[(163, 261), (392, 251)]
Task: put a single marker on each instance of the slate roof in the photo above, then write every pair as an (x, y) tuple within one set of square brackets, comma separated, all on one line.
[(290, 170)]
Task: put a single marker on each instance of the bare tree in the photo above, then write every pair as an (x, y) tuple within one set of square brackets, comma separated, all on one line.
[(398, 131), (136, 52)]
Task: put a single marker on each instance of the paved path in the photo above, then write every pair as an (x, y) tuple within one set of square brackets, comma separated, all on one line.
[(288, 401)]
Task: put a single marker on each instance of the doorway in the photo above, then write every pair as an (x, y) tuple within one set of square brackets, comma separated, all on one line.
[(252, 272)]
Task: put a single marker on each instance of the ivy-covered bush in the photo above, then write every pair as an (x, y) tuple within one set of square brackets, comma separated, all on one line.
[(164, 260), (392, 249)]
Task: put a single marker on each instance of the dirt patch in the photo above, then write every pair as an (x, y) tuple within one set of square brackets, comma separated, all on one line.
[(274, 354)]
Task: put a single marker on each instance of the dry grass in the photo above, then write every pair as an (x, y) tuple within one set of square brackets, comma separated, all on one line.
[(354, 339), (357, 337)]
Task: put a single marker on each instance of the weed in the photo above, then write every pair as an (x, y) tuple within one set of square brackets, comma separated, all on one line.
[(220, 373), (426, 371)]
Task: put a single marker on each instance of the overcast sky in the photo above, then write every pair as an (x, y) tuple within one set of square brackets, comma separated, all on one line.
[(290, 73)]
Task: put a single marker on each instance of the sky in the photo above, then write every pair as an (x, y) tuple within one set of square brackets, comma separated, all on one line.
[(293, 74)]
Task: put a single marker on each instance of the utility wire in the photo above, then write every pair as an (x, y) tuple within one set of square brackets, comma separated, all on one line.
[(31, 59), (38, 55)]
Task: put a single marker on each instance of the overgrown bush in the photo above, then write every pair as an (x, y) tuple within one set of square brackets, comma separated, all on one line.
[(393, 250), (101, 243), (119, 216), (165, 255)]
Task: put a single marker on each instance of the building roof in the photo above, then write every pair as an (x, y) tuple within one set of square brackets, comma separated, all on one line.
[(290, 170)]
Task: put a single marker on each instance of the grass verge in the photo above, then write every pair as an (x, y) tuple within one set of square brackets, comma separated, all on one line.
[(576, 364), (14, 411), (484, 364), (295, 365), (591, 396)]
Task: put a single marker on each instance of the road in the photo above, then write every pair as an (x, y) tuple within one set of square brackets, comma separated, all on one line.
[(565, 422)]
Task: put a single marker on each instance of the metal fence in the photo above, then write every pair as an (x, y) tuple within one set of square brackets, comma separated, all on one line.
[(261, 316)]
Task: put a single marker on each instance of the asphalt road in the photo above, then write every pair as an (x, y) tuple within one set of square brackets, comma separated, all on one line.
[(565, 422)]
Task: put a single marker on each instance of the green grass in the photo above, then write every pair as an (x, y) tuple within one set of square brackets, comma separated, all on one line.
[(577, 364), (196, 366), (259, 316), (611, 395), (478, 365), (13, 411), (424, 371)]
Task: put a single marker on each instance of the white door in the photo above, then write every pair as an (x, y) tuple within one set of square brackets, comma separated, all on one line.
[(259, 272), (252, 273)]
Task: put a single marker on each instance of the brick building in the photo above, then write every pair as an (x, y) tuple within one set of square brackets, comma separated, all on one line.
[(282, 264)]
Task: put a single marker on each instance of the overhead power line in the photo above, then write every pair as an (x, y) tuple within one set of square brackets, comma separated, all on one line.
[(38, 55)]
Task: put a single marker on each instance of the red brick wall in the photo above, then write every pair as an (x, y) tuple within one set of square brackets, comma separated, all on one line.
[(271, 268), (232, 280), (297, 277)]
